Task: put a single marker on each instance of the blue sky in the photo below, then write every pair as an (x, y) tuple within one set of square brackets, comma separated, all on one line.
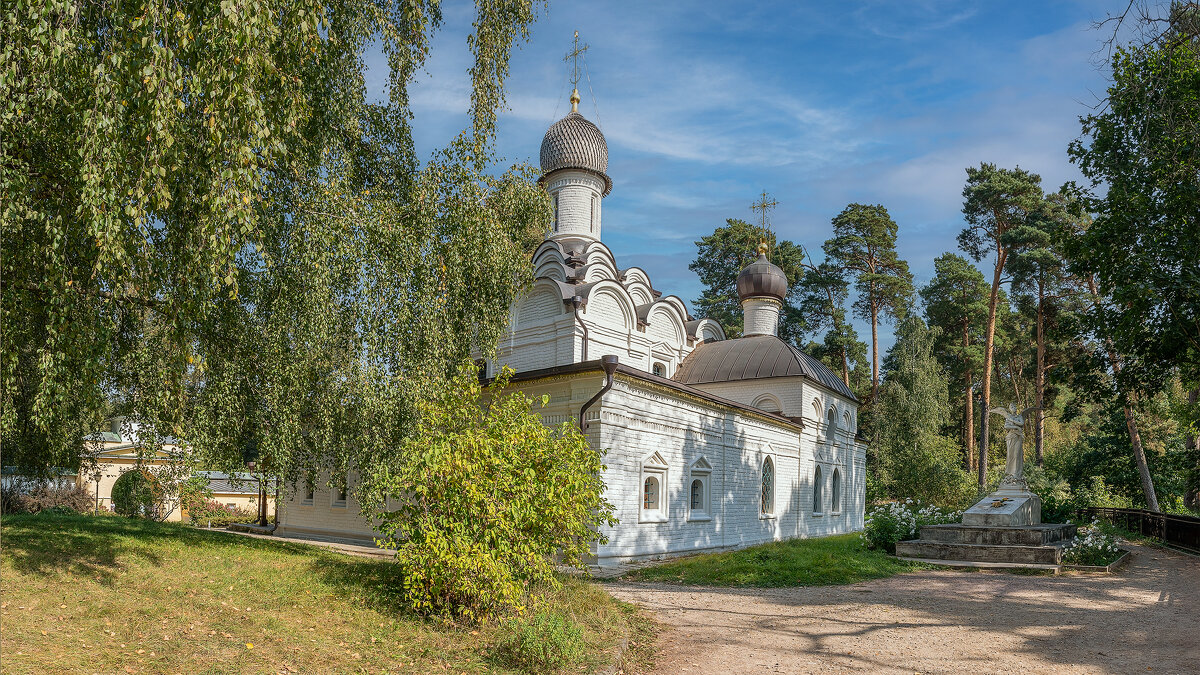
[(705, 105)]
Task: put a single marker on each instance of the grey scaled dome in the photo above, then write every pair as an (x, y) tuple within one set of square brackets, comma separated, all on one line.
[(575, 143), (761, 279)]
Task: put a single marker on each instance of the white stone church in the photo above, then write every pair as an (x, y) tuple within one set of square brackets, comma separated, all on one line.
[(711, 443)]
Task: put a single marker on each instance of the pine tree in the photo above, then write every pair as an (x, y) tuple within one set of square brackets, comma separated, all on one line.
[(864, 244), (956, 302)]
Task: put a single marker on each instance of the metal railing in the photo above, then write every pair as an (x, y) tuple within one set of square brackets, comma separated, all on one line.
[(1180, 531)]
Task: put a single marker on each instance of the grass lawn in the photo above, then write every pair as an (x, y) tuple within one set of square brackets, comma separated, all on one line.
[(840, 559), (115, 595)]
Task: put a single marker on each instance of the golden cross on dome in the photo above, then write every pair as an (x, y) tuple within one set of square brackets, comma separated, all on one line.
[(765, 203), (573, 56)]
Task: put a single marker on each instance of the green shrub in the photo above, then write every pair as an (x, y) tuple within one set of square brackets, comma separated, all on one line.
[(1091, 546), (20, 497), (543, 642), (1096, 493), (212, 513), (488, 500), (1058, 504), (137, 493), (889, 523)]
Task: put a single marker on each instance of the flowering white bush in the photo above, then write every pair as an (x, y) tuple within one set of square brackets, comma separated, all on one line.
[(1091, 546), (889, 523)]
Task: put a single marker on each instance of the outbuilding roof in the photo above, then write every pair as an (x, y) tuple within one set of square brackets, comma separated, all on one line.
[(755, 357)]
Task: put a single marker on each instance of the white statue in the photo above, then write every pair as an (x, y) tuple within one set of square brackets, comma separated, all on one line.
[(1014, 424)]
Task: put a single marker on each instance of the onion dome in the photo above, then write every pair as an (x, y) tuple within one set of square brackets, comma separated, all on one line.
[(575, 143), (761, 279)]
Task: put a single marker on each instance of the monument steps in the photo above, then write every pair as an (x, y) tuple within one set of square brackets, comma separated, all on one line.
[(1029, 535), (934, 551)]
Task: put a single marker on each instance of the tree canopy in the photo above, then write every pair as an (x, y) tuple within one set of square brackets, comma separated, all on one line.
[(864, 246), (208, 225)]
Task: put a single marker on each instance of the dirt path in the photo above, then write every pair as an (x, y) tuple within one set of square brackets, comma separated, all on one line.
[(1143, 619)]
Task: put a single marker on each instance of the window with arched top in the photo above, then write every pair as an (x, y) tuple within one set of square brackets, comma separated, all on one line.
[(767, 502), (659, 369), (556, 198), (653, 506), (767, 403), (698, 490), (816, 506), (830, 423), (835, 492), (651, 490)]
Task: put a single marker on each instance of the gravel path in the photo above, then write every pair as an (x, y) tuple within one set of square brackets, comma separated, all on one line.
[(1145, 618)]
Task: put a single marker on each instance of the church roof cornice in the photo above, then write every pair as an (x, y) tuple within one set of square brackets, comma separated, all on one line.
[(570, 370)]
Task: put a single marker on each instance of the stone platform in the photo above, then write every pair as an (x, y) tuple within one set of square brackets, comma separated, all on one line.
[(1032, 545)]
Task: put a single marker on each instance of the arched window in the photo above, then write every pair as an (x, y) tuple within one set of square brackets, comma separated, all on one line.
[(659, 369), (768, 487), (830, 423), (817, 491), (835, 492), (339, 497), (650, 493), (767, 403), (653, 499), (698, 493), (556, 212)]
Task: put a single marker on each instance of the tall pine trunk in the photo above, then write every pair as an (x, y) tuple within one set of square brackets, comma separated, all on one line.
[(1135, 437), (989, 343), (1139, 454), (968, 407), (1191, 496), (1039, 419), (874, 352)]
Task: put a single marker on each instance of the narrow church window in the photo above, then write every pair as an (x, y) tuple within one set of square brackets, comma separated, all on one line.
[(830, 423), (556, 213), (768, 487), (817, 491), (593, 217), (659, 370), (698, 493), (835, 492), (308, 496), (339, 497), (650, 494)]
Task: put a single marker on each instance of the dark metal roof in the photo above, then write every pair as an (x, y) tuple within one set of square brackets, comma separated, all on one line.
[(238, 483), (575, 143), (762, 279), (752, 358)]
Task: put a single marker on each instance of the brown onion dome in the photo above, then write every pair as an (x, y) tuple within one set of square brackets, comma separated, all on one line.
[(575, 143), (762, 279)]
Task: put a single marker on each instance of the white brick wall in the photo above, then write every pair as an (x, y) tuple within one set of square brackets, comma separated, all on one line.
[(760, 316), (578, 200), (637, 419)]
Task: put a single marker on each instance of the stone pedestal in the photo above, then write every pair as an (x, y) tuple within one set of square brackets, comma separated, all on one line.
[(1003, 529), (1005, 508)]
